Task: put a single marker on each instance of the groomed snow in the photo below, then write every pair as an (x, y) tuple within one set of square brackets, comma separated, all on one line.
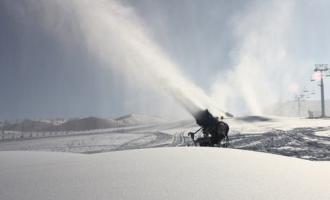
[(296, 137), (161, 173)]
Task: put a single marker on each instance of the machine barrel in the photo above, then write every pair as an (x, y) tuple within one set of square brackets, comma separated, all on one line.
[(205, 119)]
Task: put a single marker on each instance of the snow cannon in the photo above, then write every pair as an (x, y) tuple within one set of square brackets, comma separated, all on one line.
[(205, 119), (213, 130)]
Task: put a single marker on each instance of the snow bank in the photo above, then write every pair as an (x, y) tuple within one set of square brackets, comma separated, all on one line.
[(161, 173)]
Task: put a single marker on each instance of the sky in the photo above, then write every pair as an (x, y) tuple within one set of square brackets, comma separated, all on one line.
[(244, 54)]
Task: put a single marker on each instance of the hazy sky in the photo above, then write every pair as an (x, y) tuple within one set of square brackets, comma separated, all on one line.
[(43, 76)]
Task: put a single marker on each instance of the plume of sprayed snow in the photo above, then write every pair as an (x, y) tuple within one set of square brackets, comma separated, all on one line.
[(262, 65), (115, 35)]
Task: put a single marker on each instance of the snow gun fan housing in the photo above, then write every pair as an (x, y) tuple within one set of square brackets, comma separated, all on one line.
[(214, 131), (205, 119)]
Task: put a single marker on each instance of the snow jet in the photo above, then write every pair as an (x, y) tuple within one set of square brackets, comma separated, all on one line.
[(115, 35), (260, 36), (261, 58)]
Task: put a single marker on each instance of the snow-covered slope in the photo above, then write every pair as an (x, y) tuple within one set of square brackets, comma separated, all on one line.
[(28, 125), (81, 124), (296, 137), (89, 123), (162, 173), (135, 119)]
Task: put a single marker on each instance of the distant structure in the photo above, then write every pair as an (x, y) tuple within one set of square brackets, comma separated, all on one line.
[(310, 114), (321, 68), (298, 98)]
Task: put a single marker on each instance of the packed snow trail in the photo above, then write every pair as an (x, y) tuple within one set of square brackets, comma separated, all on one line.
[(178, 139)]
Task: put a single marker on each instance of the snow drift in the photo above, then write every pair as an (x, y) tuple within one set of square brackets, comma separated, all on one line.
[(163, 173)]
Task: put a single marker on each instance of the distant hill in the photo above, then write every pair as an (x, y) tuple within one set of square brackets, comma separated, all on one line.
[(82, 124), (135, 119), (27, 125), (89, 123), (253, 118)]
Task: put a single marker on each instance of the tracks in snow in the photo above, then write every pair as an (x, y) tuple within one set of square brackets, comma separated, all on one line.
[(298, 142), (178, 139)]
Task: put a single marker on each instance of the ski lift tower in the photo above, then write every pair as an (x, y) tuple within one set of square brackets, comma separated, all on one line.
[(322, 68), (298, 98)]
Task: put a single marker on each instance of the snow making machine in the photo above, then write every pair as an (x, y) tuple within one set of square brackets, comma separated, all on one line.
[(214, 131)]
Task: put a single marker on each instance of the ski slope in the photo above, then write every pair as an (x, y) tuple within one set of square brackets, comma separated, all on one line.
[(294, 137), (161, 173)]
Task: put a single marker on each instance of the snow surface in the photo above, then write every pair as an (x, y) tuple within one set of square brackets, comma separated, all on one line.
[(282, 123), (325, 133), (161, 173), (295, 137)]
